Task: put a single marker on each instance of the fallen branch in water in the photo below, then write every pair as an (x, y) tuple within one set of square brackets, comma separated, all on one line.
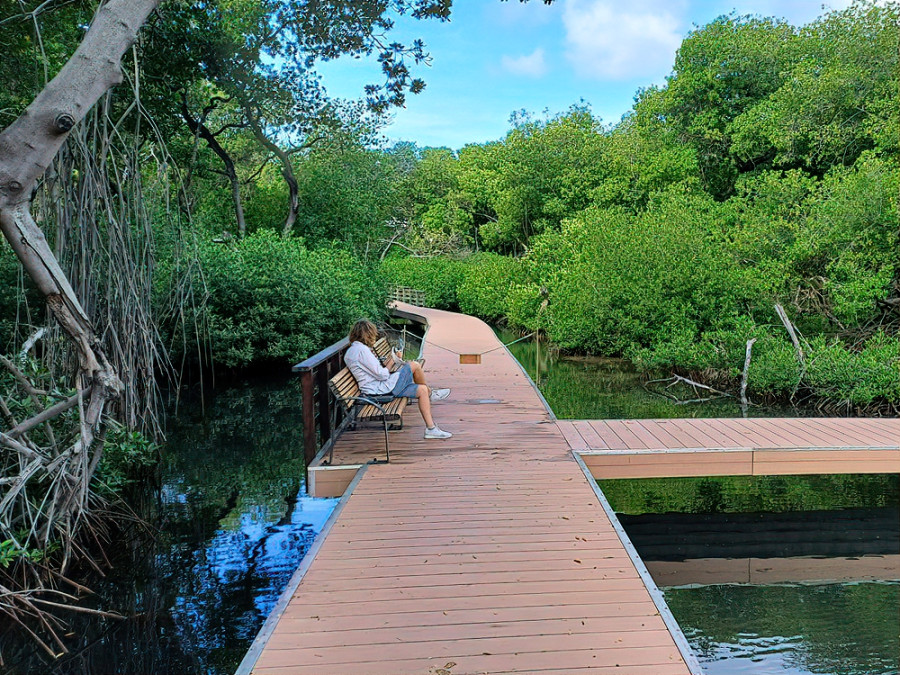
[(678, 379)]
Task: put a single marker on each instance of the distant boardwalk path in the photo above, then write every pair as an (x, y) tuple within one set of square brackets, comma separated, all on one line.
[(493, 552), (487, 553)]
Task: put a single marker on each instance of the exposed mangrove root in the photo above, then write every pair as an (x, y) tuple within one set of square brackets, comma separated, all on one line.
[(678, 379), (53, 432)]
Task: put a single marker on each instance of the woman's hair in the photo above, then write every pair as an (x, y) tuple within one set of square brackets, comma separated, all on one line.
[(364, 331)]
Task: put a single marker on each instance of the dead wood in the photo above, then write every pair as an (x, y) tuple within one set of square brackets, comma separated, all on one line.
[(748, 355)]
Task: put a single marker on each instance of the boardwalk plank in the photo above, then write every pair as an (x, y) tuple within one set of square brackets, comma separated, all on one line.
[(490, 549)]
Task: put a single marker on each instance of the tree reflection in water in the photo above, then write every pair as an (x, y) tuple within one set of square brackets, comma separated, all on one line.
[(231, 526)]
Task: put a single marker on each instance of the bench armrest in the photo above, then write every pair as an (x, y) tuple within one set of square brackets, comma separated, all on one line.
[(366, 399)]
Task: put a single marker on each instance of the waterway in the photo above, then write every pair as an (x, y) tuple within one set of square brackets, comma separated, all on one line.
[(771, 575), (230, 523)]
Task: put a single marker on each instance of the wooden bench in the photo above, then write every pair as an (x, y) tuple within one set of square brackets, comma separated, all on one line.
[(359, 407)]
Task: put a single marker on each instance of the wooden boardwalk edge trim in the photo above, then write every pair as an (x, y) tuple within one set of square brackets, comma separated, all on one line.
[(718, 450), (262, 638), (656, 595)]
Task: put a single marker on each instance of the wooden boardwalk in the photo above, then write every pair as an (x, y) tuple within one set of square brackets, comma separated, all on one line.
[(735, 447), (490, 552), (494, 552)]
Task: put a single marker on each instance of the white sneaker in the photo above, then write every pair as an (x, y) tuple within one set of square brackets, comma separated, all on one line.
[(437, 432), (439, 394)]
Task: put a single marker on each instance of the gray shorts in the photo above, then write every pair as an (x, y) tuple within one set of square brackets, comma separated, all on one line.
[(405, 386)]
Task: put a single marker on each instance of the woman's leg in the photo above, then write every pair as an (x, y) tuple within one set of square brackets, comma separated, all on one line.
[(418, 372), (425, 405)]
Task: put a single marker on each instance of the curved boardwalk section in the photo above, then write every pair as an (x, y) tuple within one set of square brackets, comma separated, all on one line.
[(487, 553)]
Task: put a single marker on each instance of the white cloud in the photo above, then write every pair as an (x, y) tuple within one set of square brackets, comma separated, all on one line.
[(531, 65), (610, 40)]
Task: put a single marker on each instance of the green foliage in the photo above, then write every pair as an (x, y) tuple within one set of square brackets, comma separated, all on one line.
[(836, 99), (125, 454), (499, 195), (850, 238), (10, 551), (743, 494), (487, 279), (9, 296), (720, 71), (347, 194), (619, 282), (438, 277), (272, 298), (859, 377)]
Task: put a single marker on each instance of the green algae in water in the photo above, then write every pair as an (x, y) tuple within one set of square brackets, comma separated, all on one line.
[(844, 629), (742, 494)]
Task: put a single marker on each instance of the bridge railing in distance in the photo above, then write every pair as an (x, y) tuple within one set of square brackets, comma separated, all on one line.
[(412, 296), (320, 417)]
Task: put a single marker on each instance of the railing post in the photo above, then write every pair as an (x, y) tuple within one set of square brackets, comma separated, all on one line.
[(308, 408), (335, 363), (322, 377)]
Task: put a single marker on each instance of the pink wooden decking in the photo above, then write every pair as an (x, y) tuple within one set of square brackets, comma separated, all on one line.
[(487, 553), (493, 552), (728, 447)]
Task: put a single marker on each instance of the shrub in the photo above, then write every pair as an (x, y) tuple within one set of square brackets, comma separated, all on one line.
[(439, 278), (271, 298), (487, 279), (856, 377), (619, 282)]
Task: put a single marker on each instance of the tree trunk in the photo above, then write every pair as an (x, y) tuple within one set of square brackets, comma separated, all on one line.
[(27, 147), (287, 169), (199, 127)]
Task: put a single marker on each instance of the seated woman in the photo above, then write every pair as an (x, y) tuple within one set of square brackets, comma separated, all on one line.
[(375, 379)]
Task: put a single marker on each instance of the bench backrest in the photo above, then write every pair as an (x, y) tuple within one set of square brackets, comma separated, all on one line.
[(382, 348), (344, 386)]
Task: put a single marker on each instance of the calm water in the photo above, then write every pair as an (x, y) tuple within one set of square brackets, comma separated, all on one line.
[(846, 629), (685, 528), (231, 526), (589, 387)]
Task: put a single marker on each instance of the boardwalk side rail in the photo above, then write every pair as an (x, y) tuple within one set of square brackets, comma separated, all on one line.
[(413, 296), (320, 416)]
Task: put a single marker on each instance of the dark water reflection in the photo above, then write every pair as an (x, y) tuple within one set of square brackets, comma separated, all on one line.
[(591, 387), (768, 575), (231, 526), (724, 529)]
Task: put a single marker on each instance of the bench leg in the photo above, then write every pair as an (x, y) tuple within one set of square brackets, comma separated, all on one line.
[(387, 446)]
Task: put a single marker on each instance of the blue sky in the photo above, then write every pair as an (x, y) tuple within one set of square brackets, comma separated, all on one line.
[(494, 58)]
